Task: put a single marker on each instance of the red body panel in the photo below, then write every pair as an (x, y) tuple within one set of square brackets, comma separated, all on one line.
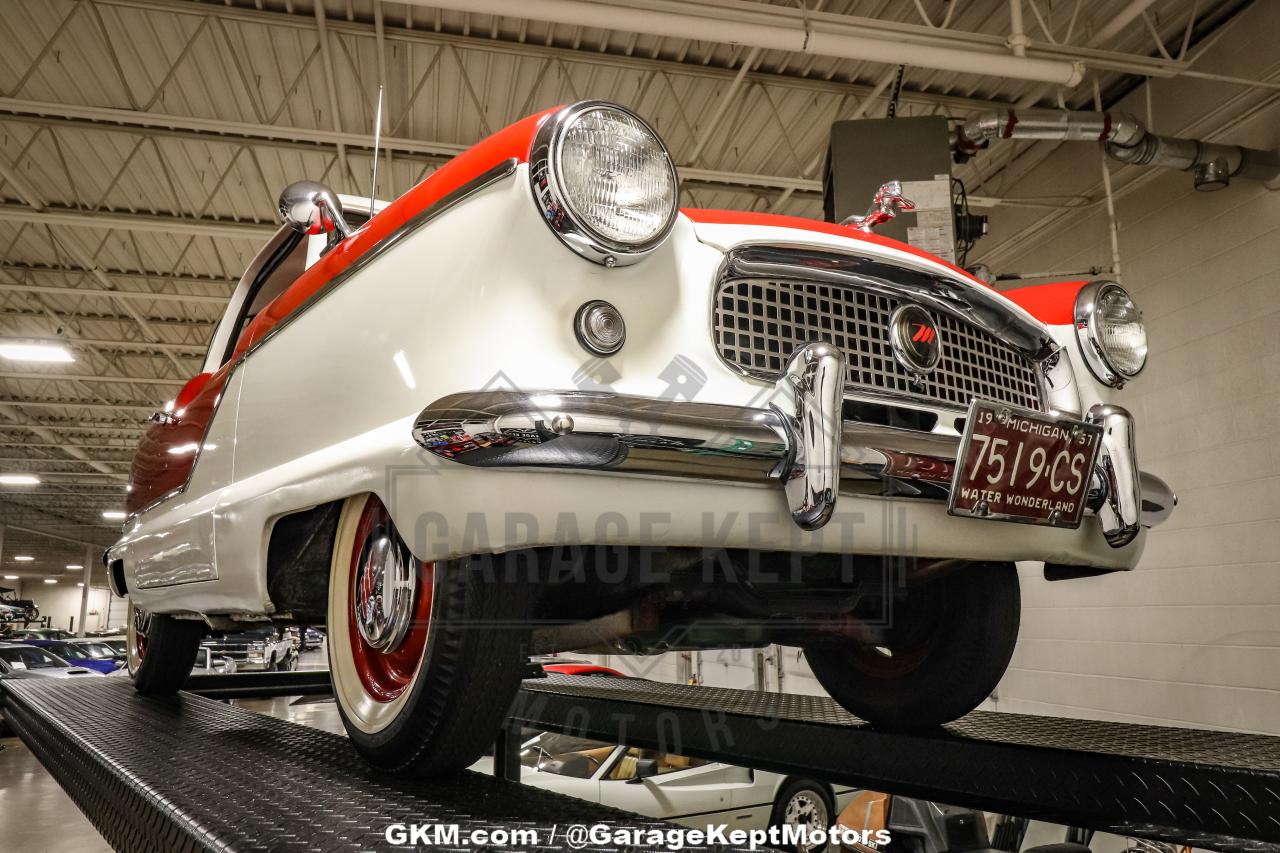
[(581, 669), (157, 469), (1053, 304), (736, 217)]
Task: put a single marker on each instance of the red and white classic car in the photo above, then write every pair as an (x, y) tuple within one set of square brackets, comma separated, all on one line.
[(531, 406)]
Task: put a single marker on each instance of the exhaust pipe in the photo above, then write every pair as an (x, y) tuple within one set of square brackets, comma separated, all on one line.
[(1213, 165)]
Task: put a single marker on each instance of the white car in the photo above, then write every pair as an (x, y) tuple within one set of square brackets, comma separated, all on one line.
[(531, 406), (689, 791)]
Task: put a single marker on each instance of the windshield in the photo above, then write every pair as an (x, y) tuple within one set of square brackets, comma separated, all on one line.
[(30, 657), (565, 755), (94, 650)]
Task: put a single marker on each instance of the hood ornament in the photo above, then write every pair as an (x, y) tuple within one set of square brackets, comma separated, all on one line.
[(887, 204)]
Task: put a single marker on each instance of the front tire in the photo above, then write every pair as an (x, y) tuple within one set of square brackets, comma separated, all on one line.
[(425, 657), (946, 649), (161, 650)]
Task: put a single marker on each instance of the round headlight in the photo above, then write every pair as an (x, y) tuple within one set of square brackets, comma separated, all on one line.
[(1111, 332), (604, 181)]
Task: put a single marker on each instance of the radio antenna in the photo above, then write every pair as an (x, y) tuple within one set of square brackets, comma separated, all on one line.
[(377, 140)]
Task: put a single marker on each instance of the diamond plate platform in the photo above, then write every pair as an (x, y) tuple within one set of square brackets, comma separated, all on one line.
[(1216, 790), (187, 773)]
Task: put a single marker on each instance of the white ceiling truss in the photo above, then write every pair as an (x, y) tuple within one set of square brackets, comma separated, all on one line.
[(143, 142)]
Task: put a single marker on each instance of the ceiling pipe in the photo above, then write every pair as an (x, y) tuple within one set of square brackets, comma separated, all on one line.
[(1127, 140), (813, 36)]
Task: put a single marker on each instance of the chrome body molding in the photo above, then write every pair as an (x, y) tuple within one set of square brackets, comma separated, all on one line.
[(376, 251), (798, 442)]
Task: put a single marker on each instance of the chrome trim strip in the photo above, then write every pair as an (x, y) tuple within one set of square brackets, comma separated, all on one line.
[(377, 250), (428, 213)]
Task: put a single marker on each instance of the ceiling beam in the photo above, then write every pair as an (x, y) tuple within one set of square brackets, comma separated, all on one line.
[(482, 44), (239, 132), (111, 219), (74, 404), (84, 426), (139, 276), (149, 347), (182, 322), (88, 377), (131, 295)]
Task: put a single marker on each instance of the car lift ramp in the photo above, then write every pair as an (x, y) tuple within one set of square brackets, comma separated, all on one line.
[(190, 773), (1216, 790)]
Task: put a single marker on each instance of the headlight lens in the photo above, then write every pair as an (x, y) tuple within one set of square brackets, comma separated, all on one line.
[(1111, 332), (605, 182)]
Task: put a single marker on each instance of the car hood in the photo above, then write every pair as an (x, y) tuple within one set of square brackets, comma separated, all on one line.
[(53, 672)]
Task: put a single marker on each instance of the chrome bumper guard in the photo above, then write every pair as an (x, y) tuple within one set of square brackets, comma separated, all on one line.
[(796, 437)]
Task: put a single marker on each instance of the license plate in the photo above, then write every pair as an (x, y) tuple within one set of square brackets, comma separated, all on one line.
[(1023, 466)]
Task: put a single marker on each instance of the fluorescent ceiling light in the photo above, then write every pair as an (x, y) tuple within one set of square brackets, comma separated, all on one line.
[(50, 580), (11, 577), (74, 566), (19, 480), (23, 558), (80, 584), (23, 351), (113, 515)]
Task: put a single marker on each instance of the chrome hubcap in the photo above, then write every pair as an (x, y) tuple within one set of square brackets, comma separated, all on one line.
[(384, 587)]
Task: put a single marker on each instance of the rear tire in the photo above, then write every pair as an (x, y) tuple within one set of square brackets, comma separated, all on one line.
[(804, 802), (947, 648), (431, 700), (161, 650)]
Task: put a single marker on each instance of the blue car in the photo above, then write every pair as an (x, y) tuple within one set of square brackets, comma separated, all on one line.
[(89, 654)]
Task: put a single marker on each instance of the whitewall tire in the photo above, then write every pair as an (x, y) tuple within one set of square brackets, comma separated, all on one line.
[(425, 657)]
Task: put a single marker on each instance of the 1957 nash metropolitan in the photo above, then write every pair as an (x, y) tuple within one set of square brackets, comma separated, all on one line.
[(532, 406)]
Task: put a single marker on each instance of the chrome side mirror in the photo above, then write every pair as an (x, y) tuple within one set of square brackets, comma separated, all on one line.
[(309, 207), (887, 204)]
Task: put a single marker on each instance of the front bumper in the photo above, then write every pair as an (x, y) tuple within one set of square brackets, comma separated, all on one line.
[(796, 438)]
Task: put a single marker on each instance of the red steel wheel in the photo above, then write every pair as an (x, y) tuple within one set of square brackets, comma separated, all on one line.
[(389, 615), (424, 656)]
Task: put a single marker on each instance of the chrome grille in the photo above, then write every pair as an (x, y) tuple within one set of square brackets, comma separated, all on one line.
[(759, 322)]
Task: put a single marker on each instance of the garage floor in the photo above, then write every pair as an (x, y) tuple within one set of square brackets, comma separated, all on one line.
[(35, 813)]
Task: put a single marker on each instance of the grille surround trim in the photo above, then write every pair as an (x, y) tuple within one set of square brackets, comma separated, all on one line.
[(963, 308)]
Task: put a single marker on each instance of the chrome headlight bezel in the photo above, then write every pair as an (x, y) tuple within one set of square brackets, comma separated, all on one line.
[(1096, 358), (545, 179)]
